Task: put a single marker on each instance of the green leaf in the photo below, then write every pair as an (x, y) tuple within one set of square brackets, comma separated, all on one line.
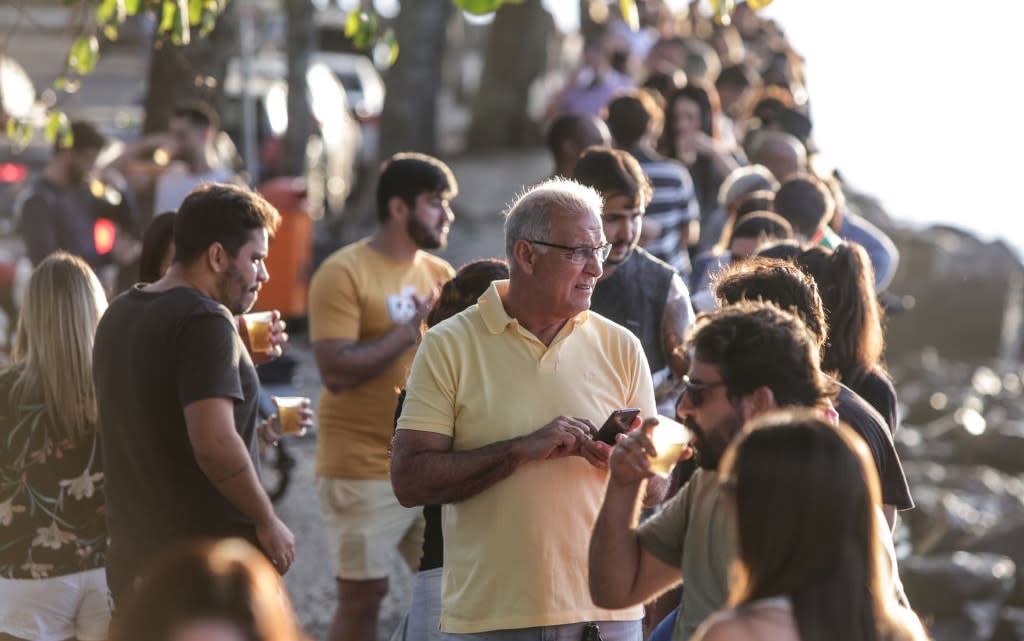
[(12, 128), (168, 11), (392, 45), (195, 11), (84, 54), (110, 32), (361, 28), (131, 7), (479, 7), (60, 83), (56, 125), (630, 14)]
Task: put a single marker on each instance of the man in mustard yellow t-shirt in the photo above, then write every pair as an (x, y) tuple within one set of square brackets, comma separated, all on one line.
[(502, 403), (367, 303)]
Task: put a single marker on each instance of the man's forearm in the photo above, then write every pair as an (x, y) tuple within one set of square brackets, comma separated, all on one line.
[(357, 363), (614, 547), (230, 470), (434, 477)]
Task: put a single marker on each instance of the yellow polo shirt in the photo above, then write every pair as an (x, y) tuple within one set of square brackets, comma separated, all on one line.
[(515, 555)]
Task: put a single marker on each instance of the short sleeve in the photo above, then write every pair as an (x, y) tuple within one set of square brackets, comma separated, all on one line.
[(334, 307), (208, 353), (430, 393), (642, 385), (664, 534)]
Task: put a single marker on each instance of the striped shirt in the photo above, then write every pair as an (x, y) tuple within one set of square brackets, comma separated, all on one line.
[(673, 205)]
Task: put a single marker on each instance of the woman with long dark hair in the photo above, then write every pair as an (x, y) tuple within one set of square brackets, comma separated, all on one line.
[(691, 136), (811, 564), (52, 527), (856, 338)]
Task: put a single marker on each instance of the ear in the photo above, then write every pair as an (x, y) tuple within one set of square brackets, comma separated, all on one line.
[(758, 402), (217, 258), (398, 209), (524, 254)]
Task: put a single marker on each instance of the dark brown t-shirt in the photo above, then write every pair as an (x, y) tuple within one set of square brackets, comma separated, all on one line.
[(155, 353)]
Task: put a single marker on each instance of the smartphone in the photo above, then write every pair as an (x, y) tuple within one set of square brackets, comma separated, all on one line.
[(617, 423)]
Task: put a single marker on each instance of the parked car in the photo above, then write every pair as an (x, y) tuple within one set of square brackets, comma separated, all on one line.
[(357, 73), (332, 147), (365, 89)]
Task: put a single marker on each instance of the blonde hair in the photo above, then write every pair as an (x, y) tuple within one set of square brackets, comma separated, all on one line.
[(53, 348)]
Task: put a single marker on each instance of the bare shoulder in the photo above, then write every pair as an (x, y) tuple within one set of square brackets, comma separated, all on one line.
[(753, 624), (725, 630)]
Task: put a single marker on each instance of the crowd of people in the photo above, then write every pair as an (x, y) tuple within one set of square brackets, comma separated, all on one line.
[(688, 260)]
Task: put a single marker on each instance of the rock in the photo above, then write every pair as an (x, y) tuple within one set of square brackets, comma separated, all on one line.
[(959, 279), (959, 596), (1010, 626)]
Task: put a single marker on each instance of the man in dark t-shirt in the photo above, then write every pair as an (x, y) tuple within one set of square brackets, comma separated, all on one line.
[(783, 284), (177, 392)]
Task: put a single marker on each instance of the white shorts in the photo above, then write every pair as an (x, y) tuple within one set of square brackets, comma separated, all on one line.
[(73, 606), (369, 528)]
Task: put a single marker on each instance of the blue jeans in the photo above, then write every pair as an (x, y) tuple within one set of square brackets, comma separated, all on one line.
[(663, 631), (610, 631)]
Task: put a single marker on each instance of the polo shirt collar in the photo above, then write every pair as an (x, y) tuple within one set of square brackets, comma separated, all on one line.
[(497, 320)]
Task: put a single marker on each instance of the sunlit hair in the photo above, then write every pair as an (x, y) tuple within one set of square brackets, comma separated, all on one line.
[(774, 281), (468, 284), (755, 344), (529, 217), (847, 286), (225, 581), (53, 348), (804, 496)]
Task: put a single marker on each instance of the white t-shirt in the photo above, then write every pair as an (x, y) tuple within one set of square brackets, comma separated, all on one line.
[(174, 184)]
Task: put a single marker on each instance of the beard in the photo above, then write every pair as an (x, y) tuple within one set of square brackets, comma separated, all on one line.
[(231, 281), (631, 247), (710, 451), (424, 236)]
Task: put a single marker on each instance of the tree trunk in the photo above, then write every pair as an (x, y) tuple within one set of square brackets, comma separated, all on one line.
[(192, 72), (516, 55), (300, 47), (413, 83)]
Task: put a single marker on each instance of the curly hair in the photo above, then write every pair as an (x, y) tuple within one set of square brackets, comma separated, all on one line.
[(756, 344)]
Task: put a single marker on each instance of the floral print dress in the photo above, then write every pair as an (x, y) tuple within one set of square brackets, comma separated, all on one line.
[(52, 520)]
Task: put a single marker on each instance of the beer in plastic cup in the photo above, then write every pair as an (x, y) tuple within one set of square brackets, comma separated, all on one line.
[(669, 439), (257, 326), (289, 413)]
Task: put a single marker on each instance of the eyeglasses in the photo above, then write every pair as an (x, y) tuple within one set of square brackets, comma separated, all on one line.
[(696, 390), (580, 255)]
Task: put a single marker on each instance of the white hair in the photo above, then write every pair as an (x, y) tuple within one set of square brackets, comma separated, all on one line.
[(529, 217)]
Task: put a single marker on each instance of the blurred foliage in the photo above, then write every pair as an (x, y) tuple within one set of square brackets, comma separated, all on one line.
[(178, 19)]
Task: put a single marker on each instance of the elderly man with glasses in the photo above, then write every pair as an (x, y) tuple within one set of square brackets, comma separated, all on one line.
[(503, 402)]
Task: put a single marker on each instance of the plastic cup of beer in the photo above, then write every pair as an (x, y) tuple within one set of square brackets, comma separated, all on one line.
[(289, 413), (669, 438), (257, 326)]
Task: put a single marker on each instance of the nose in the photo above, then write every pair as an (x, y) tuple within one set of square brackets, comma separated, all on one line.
[(262, 275), (684, 406), (593, 266)]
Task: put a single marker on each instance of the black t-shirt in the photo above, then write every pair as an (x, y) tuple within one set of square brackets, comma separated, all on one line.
[(877, 389), (859, 415), (155, 353)]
